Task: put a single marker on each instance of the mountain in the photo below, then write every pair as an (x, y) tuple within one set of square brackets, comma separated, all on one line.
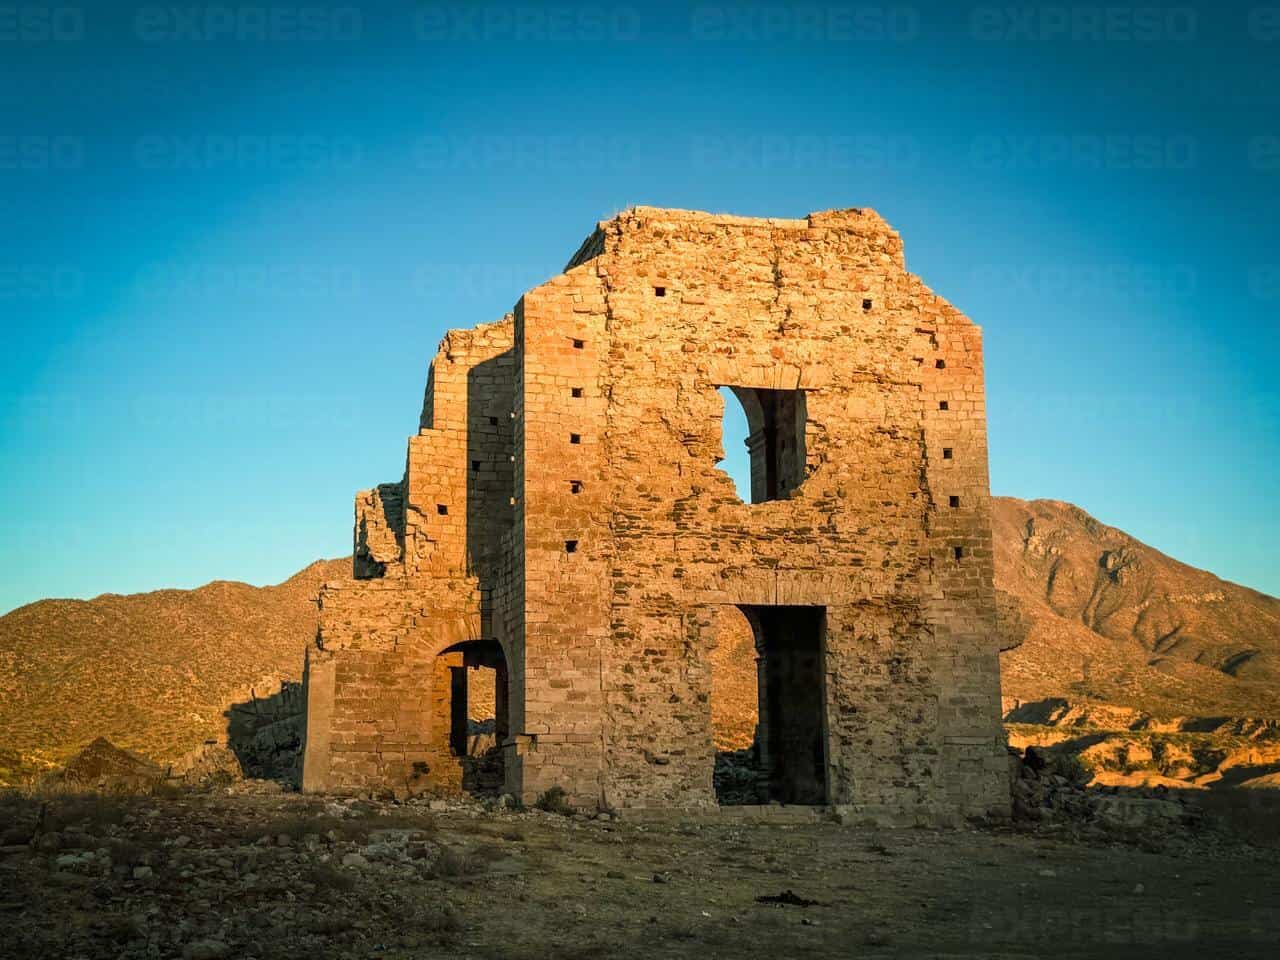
[(1089, 618), (152, 672), (1089, 613)]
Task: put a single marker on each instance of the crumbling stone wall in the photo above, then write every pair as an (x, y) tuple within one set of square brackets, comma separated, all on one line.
[(563, 499)]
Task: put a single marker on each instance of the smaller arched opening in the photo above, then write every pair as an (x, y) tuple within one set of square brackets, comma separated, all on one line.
[(469, 717), (770, 426)]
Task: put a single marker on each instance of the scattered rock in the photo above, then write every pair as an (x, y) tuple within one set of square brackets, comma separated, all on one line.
[(206, 950), (787, 898), (104, 767)]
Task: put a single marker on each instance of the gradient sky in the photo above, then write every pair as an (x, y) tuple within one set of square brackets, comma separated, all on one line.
[(234, 234)]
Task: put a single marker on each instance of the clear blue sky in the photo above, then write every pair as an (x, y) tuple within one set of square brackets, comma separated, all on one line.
[(233, 236)]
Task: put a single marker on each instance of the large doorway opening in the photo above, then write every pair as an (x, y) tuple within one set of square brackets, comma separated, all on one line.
[(470, 717), (788, 755)]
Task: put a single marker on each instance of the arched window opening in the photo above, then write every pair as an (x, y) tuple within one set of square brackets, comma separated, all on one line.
[(770, 426), (734, 434)]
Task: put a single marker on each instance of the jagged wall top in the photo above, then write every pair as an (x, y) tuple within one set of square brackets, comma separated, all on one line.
[(862, 221)]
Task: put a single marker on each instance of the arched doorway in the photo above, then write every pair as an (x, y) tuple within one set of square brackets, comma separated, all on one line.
[(470, 718)]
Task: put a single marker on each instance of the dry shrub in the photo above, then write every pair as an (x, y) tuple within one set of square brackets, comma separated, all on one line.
[(457, 863), (91, 811), (554, 800), (19, 816), (352, 829), (440, 919), (129, 852), (328, 878)]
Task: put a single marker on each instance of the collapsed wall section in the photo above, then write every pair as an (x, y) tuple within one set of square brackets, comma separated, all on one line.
[(430, 576)]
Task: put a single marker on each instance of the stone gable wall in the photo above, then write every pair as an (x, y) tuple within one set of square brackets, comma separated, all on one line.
[(575, 445)]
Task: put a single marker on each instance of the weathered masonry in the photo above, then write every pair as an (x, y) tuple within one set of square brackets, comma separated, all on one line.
[(562, 529)]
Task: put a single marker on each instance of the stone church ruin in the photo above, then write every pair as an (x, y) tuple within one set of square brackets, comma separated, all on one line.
[(564, 548)]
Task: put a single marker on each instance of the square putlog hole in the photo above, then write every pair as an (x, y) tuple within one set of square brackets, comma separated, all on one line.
[(442, 509), (944, 405), (946, 453), (958, 552), (571, 546), (575, 486), (575, 438), (579, 344), (575, 392), (953, 502), (866, 304), (659, 291)]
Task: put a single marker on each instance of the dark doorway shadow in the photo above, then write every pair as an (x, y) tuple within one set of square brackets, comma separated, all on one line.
[(738, 778)]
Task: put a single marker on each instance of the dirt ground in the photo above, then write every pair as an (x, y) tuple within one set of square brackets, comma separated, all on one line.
[(254, 873)]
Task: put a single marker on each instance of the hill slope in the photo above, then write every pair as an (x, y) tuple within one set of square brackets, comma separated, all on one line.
[(153, 672), (1087, 614)]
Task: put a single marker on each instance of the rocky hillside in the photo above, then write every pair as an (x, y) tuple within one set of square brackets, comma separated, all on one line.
[(1089, 613), (1089, 616), (152, 672)]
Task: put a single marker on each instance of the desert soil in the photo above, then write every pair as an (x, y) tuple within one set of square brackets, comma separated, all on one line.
[(250, 872)]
